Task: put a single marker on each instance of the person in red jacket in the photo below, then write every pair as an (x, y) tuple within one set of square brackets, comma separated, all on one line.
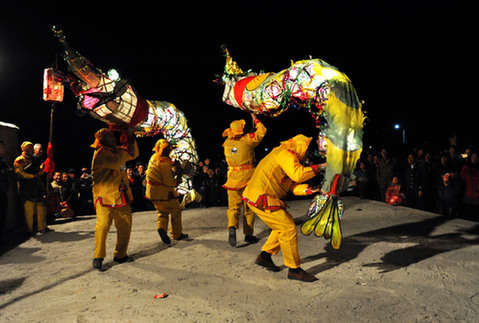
[(394, 196)]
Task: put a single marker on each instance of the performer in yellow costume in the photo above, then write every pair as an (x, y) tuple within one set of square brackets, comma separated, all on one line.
[(239, 154), (111, 193), (161, 190), (31, 189), (277, 173)]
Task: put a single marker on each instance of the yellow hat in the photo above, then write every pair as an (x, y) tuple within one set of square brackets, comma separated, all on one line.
[(98, 137), (160, 146), (236, 128), (298, 144), (25, 144)]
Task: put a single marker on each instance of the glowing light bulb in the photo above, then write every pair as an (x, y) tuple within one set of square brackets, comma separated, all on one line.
[(113, 75)]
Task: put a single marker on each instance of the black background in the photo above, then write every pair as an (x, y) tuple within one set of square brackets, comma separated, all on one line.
[(412, 62)]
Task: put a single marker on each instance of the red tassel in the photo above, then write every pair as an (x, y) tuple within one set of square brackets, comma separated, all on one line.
[(50, 150), (334, 185), (49, 163)]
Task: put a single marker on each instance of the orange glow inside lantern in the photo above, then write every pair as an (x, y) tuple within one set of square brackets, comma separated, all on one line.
[(52, 88)]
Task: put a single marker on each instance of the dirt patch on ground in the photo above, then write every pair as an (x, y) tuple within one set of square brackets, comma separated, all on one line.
[(395, 265)]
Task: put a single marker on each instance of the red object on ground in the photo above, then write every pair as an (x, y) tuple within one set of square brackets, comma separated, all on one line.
[(162, 295)]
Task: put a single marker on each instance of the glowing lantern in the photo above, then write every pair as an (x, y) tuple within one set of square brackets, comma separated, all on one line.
[(52, 86)]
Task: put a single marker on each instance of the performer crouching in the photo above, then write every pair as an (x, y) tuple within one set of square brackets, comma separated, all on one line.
[(161, 190), (277, 173), (111, 193), (239, 154)]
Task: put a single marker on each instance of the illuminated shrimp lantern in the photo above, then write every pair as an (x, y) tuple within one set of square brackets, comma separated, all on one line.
[(331, 99), (107, 97)]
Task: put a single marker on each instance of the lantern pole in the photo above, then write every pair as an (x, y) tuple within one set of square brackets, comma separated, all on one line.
[(52, 110)]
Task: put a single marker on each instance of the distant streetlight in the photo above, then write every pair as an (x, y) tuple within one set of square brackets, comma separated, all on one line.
[(398, 126)]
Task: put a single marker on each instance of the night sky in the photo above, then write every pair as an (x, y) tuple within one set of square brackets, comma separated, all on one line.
[(411, 61)]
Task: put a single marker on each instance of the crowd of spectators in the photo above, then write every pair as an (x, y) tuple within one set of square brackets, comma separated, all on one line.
[(443, 182), (71, 193)]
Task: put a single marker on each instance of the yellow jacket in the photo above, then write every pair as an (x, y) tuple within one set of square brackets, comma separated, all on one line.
[(239, 154), (160, 184), (110, 184), (278, 173), (28, 173)]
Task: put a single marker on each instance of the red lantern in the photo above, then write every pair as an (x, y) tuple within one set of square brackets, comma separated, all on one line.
[(52, 86)]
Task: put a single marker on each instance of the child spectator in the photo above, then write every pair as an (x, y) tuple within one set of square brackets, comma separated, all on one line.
[(394, 196)]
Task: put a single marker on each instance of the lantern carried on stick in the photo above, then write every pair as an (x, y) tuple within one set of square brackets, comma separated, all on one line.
[(53, 90)]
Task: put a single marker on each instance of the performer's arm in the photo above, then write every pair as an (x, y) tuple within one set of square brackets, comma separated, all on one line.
[(132, 144), (132, 151), (260, 132), (293, 168)]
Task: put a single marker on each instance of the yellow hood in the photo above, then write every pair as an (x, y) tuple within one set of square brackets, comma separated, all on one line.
[(160, 146), (98, 137), (298, 144)]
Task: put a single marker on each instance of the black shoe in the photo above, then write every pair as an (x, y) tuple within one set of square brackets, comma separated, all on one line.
[(251, 239), (97, 263), (264, 260), (182, 236), (232, 236), (164, 236), (47, 229), (300, 274), (123, 259)]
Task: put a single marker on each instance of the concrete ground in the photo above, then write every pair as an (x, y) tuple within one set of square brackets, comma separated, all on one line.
[(395, 265)]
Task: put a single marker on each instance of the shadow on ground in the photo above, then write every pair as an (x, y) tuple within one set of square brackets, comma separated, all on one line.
[(419, 233)]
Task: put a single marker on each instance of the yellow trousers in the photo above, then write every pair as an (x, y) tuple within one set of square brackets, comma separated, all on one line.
[(283, 235), (234, 210), (123, 221), (165, 208), (31, 209)]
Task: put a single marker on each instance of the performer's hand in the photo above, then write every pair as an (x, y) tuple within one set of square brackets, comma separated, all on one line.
[(315, 189), (318, 167)]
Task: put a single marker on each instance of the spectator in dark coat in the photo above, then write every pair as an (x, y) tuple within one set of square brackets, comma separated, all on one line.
[(449, 196), (363, 180), (454, 160), (384, 173), (412, 182), (85, 197), (429, 187)]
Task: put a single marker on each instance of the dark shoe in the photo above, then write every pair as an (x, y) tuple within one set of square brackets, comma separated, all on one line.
[(300, 274), (232, 236), (251, 239), (182, 236), (264, 260), (123, 259), (47, 229), (97, 263), (164, 236)]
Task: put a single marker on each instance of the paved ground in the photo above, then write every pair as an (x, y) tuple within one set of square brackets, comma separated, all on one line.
[(396, 265)]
